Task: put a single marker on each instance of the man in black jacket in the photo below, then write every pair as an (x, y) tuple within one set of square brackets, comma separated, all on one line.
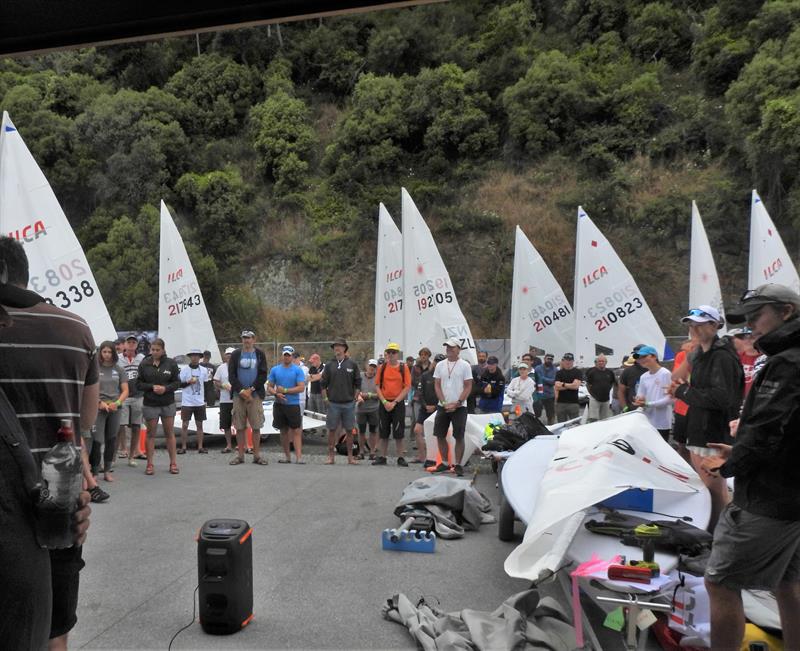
[(757, 541), (341, 386), (714, 395), (247, 373), (159, 377)]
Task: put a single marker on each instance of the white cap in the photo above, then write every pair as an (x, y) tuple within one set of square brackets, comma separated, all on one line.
[(229, 350), (373, 362)]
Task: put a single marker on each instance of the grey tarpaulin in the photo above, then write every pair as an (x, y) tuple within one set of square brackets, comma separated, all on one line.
[(523, 621), (454, 504)]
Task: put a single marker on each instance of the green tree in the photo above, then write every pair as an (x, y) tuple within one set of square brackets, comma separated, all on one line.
[(219, 92), (661, 31)]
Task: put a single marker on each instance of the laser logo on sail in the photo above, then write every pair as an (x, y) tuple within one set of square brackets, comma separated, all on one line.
[(594, 276), (29, 232), (772, 269)]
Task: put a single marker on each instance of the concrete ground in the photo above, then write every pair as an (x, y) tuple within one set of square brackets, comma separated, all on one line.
[(320, 576)]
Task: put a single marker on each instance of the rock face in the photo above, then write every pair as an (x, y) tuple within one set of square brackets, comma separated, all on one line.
[(284, 284)]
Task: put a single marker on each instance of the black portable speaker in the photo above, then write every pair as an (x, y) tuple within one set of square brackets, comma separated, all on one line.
[(225, 575)]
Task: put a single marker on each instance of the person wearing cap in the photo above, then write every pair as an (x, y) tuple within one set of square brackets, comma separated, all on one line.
[(652, 395), (546, 376), (367, 411), (757, 541), (247, 371), (394, 383), (426, 391), (298, 361), (742, 340), (131, 411), (521, 390), (286, 382), (209, 390), (600, 383), (453, 382), (193, 399), (341, 386), (492, 382), (713, 395), (422, 364), (568, 381), (223, 385), (315, 402), (629, 380)]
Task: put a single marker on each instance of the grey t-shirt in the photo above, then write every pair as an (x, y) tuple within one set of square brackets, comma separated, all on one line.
[(368, 387), (111, 380)]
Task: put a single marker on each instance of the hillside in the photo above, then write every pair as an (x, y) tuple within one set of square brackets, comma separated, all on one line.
[(274, 146)]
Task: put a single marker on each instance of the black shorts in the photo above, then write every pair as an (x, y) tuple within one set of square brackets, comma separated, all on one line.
[(225, 415), (286, 416), (444, 419), (422, 414), (199, 414), (368, 418), (65, 564)]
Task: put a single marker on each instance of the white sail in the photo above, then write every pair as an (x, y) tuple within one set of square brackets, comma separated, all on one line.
[(183, 321), (704, 286), (431, 313), (611, 315), (30, 213), (541, 315), (769, 260), (388, 284)]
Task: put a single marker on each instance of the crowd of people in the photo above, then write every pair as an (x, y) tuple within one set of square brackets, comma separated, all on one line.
[(729, 404)]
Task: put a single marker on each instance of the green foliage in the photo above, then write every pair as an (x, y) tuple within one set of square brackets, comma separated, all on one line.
[(222, 216), (661, 31), (219, 92)]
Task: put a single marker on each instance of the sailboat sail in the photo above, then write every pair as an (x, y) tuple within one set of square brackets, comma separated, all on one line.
[(611, 315), (388, 284), (769, 260), (431, 313), (30, 213), (183, 321), (704, 286), (541, 316)]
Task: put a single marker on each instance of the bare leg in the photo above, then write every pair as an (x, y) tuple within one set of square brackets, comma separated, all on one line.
[(285, 443), (169, 431), (199, 425), (400, 446), (256, 442), (348, 441), (121, 442), (227, 438), (297, 439), (717, 486), (331, 446), (58, 643), (419, 435), (444, 449), (133, 452), (151, 440), (788, 596), (240, 443), (459, 451), (373, 441), (184, 435), (88, 477), (727, 617), (383, 447)]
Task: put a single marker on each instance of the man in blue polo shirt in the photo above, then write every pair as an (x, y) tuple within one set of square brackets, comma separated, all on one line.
[(286, 382)]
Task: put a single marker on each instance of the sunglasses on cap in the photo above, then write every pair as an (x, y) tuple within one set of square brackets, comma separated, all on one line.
[(697, 312)]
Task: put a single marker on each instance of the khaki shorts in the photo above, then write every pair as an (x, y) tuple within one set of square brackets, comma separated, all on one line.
[(245, 413), (752, 551), (131, 411)]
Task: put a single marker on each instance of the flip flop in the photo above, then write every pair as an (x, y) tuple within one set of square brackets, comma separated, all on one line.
[(181, 451), (260, 461), (122, 455), (300, 462), (235, 461), (173, 469), (141, 457), (284, 461)]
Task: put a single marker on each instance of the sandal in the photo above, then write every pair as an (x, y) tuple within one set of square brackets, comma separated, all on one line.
[(181, 451), (284, 461), (122, 455), (173, 469), (140, 456), (236, 461), (352, 462), (132, 463), (301, 462), (150, 470), (260, 461), (227, 451)]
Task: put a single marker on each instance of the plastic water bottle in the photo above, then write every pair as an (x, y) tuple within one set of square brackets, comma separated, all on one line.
[(58, 500)]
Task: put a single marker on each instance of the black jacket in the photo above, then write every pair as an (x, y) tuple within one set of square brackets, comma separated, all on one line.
[(767, 445), (426, 389), (341, 381), (714, 394), (166, 374), (261, 375)]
